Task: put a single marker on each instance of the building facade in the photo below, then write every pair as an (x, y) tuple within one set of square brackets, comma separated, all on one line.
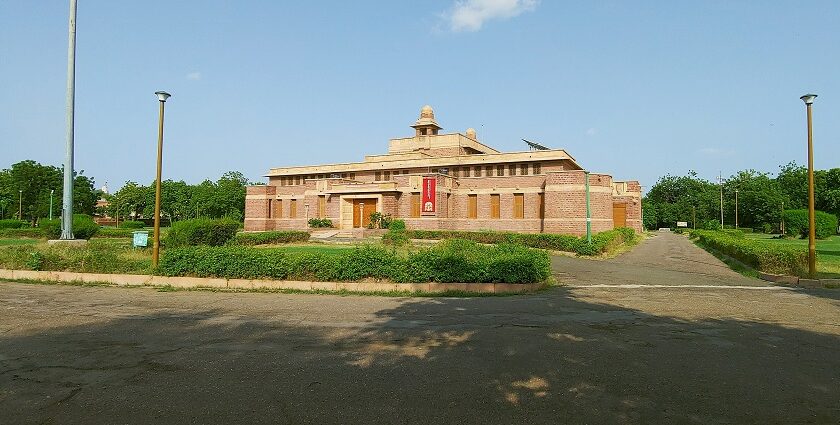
[(448, 182)]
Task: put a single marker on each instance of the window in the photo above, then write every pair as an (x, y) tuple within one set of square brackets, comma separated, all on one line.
[(415, 205), (512, 169), (472, 206), (293, 208), (518, 205), (297, 180), (541, 210), (494, 206), (500, 170), (282, 181), (477, 171), (377, 176), (387, 175), (456, 172), (523, 169), (488, 171), (322, 206), (537, 168), (343, 175), (352, 176)]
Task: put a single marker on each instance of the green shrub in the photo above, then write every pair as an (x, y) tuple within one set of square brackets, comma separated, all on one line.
[(320, 222), (83, 227), (132, 224), (379, 220), (711, 225), (396, 234), (796, 223), (268, 238), (110, 232), (449, 261), (765, 256), (13, 224), (201, 231), (23, 232)]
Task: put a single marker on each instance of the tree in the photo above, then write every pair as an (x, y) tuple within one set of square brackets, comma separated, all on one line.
[(28, 184)]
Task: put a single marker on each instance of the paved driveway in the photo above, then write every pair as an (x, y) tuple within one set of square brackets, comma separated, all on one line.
[(665, 259), (588, 355)]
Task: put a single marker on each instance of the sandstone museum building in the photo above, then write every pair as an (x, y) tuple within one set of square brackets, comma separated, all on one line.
[(447, 181)]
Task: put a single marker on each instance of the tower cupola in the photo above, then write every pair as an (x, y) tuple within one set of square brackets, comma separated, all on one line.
[(426, 124)]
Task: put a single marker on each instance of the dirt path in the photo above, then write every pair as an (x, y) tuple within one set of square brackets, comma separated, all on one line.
[(665, 259)]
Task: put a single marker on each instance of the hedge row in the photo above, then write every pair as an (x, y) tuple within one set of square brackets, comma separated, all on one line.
[(268, 238), (601, 242), (110, 232), (13, 224), (23, 232), (764, 256), (449, 261), (201, 231)]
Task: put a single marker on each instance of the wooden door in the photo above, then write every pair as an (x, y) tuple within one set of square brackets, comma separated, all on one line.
[(362, 209), (370, 208), (495, 211), (518, 205), (619, 215)]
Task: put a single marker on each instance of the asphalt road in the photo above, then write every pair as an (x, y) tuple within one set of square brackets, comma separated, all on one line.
[(705, 355)]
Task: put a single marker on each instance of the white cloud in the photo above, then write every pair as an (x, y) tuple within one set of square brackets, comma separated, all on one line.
[(470, 15), (591, 131), (194, 76)]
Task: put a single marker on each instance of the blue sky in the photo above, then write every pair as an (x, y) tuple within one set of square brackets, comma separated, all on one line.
[(636, 89)]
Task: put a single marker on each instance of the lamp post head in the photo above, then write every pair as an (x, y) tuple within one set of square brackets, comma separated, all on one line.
[(162, 95), (52, 191), (808, 98)]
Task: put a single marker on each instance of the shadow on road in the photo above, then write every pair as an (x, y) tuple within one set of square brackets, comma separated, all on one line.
[(553, 358)]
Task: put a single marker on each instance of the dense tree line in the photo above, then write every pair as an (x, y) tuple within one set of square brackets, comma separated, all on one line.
[(223, 198), (27, 185), (30, 183), (761, 197)]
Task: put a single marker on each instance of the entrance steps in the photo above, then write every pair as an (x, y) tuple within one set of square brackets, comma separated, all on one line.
[(324, 234)]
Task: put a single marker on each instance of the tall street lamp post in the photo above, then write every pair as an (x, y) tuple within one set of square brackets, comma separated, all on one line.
[(162, 96), (20, 204), (736, 208), (588, 210), (52, 191), (67, 202), (720, 183), (812, 243)]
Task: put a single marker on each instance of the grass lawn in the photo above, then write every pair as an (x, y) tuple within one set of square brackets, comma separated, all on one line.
[(828, 252), (22, 241)]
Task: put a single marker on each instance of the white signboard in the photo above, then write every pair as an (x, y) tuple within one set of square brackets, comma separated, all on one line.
[(682, 224)]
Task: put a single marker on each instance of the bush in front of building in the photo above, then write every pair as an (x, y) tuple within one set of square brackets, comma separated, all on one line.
[(764, 256), (269, 238), (796, 223), (83, 227), (450, 261), (201, 231), (132, 224), (320, 222), (13, 224), (396, 234)]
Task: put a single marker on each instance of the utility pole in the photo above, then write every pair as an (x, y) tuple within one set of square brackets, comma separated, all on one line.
[(812, 240), (736, 208), (694, 217), (67, 203), (588, 210), (720, 183)]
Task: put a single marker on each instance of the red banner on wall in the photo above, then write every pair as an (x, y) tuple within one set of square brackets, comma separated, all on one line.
[(429, 199)]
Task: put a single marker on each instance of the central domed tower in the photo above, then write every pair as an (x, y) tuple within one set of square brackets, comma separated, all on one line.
[(426, 124)]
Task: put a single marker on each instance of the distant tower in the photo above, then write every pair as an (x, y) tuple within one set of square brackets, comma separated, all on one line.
[(426, 125), (105, 188), (471, 133)]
